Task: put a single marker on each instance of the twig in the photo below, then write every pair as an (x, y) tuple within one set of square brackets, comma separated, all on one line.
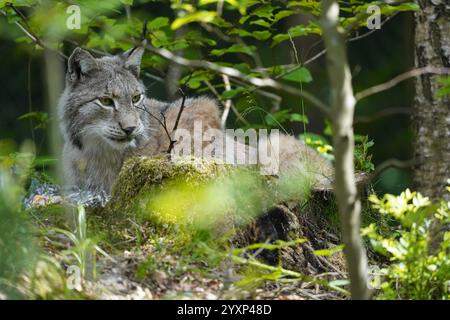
[(366, 34), (159, 121), (219, 8), (144, 30), (297, 60), (227, 104), (384, 113), (154, 77), (321, 261), (30, 103), (233, 108), (128, 12), (289, 273), (392, 163), (355, 38), (175, 126), (400, 78)]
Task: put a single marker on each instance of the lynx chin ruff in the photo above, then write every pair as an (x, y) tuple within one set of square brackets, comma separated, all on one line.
[(105, 118)]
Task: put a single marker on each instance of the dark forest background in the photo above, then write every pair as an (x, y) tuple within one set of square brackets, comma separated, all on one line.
[(373, 60)]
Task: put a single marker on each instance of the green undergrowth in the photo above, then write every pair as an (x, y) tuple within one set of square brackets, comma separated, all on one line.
[(192, 210), (181, 217)]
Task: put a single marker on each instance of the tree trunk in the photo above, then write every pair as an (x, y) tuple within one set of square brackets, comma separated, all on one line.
[(432, 113), (342, 110), (54, 81)]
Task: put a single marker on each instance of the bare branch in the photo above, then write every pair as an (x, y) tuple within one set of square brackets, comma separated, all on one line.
[(384, 113), (162, 123), (366, 34), (144, 31), (400, 78), (392, 163), (227, 104), (175, 126)]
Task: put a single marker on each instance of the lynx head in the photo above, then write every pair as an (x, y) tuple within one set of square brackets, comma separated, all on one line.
[(102, 99)]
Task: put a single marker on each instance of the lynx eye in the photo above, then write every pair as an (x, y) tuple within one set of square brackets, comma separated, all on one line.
[(136, 98), (107, 102)]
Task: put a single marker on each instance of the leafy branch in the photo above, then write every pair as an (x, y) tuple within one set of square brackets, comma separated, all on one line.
[(25, 27), (234, 73)]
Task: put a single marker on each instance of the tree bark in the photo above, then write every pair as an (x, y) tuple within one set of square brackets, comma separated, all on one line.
[(432, 113), (343, 105)]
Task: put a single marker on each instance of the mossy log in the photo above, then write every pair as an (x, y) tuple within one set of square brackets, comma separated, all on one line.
[(143, 179)]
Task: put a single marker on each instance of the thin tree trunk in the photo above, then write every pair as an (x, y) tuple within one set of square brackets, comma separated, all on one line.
[(343, 104), (54, 81), (432, 113), (174, 71)]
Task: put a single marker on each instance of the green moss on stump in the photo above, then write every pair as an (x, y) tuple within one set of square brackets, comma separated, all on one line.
[(142, 175), (131, 217)]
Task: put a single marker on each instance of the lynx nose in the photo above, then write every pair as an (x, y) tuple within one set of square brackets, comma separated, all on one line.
[(128, 130)]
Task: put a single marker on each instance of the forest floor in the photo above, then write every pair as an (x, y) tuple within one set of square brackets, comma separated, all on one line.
[(109, 251), (161, 266)]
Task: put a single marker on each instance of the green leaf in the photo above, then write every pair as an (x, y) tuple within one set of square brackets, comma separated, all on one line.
[(296, 31), (159, 38), (127, 2), (297, 117), (261, 35), (444, 90), (231, 93), (328, 252), (236, 48), (199, 16), (196, 78), (241, 32), (261, 22), (194, 37), (339, 283), (306, 5), (276, 118), (41, 119), (158, 23), (265, 11), (283, 14), (299, 75)]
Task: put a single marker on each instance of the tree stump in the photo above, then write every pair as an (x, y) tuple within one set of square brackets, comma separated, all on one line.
[(143, 179)]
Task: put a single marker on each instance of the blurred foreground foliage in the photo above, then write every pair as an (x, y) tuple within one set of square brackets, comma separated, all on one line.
[(26, 271), (17, 243), (418, 247)]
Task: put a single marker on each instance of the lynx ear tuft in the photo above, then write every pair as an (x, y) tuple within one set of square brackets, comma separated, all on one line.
[(80, 64), (133, 58)]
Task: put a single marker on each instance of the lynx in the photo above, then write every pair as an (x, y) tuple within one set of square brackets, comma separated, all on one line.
[(106, 117)]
